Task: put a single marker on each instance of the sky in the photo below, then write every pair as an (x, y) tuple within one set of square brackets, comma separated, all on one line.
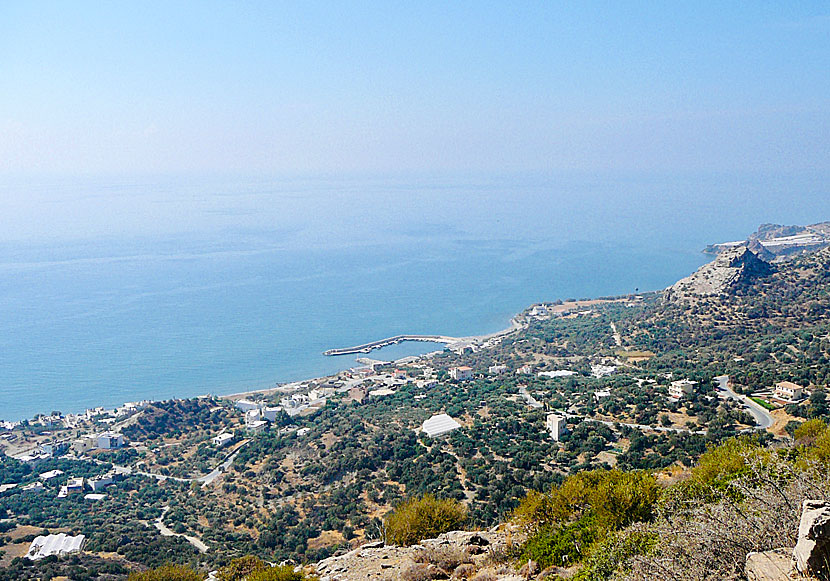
[(98, 88)]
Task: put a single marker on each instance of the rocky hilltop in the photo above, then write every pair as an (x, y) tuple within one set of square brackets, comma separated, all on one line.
[(772, 241), (733, 268)]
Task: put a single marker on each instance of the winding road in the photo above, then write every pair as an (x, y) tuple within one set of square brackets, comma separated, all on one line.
[(763, 419)]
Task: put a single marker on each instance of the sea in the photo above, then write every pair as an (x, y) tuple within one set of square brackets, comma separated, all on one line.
[(124, 288)]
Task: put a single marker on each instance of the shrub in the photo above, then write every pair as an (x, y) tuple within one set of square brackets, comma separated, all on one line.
[(237, 569), (282, 573), (422, 518), (168, 573), (566, 524)]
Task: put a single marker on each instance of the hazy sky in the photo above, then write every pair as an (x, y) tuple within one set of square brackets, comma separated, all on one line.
[(387, 86)]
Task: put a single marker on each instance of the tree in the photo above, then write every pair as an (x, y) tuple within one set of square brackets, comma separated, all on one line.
[(422, 518), (168, 573)]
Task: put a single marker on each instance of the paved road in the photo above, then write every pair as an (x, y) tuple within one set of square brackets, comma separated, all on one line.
[(763, 419)]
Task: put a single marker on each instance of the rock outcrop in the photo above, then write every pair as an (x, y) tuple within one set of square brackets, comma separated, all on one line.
[(732, 268), (811, 555), (458, 554)]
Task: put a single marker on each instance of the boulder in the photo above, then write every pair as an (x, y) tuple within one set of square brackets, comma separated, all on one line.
[(774, 565), (811, 555)]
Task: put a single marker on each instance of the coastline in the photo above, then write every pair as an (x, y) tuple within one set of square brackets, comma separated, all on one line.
[(458, 343)]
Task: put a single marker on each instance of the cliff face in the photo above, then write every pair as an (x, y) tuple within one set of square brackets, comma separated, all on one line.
[(732, 268), (774, 240)]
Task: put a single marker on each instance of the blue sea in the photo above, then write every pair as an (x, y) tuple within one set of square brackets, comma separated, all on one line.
[(116, 289)]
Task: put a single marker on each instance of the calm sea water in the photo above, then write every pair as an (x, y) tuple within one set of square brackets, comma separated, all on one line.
[(116, 289)]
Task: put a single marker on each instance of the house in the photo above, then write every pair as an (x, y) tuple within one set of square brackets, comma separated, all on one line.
[(399, 374), (257, 427), (603, 370), (85, 444), (46, 476), (247, 405), (302, 432), (789, 391), (462, 373), (525, 370), (439, 424), (426, 383), (601, 394), (110, 441), (496, 369), (222, 440), (681, 388), (270, 413), (556, 425), (75, 485), (57, 545), (33, 487), (358, 394), (100, 482)]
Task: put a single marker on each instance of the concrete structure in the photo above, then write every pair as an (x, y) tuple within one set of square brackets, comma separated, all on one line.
[(496, 369), (302, 432), (100, 482), (270, 413), (75, 485), (381, 392), (85, 444), (525, 370), (462, 373), (110, 441), (789, 391), (601, 393), (58, 545), (257, 427), (94, 497), (222, 440), (681, 388), (46, 476), (33, 487), (247, 405), (556, 425), (439, 424)]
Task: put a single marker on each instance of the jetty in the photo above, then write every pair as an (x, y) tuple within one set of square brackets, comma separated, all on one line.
[(368, 347)]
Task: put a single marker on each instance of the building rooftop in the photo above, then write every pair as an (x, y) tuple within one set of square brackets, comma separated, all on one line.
[(440, 424), (60, 544)]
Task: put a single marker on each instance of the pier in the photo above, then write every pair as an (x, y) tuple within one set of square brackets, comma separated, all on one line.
[(368, 347)]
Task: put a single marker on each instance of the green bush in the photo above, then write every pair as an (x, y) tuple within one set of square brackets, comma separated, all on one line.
[(567, 523), (276, 574), (168, 573), (422, 518), (237, 569)]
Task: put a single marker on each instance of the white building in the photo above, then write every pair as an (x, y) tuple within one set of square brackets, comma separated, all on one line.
[(681, 388), (496, 369), (257, 427), (789, 391), (555, 424), (110, 441), (60, 544), (601, 394), (270, 413), (100, 482), (247, 405), (50, 475), (525, 370), (222, 440), (462, 373), (439, 424), (603, 370), (75, 485)]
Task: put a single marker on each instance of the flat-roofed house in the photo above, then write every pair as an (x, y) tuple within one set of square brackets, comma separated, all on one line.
[(681, 388), (555, 423), (461, 373)]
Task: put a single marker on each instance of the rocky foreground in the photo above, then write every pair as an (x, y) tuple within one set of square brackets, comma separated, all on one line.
[(479, 556)]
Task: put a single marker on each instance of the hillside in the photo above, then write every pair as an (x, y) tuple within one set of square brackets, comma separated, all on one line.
[(320, 483)]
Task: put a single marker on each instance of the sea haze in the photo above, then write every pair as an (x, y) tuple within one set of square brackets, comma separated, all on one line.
[(115, 290)]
